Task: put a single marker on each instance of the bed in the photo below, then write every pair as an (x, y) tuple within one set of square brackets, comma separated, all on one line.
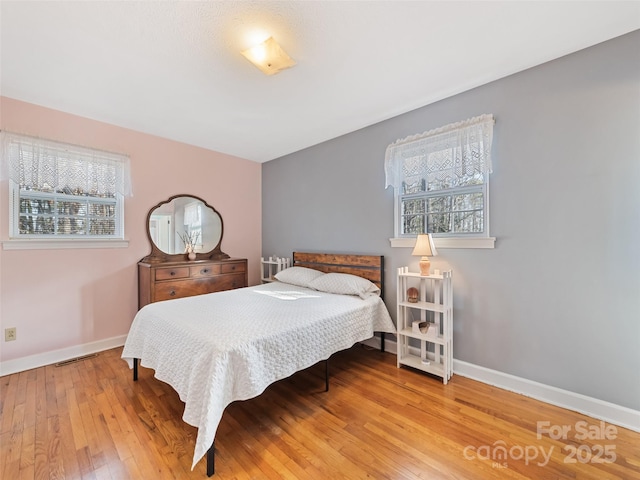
[(221, 347)]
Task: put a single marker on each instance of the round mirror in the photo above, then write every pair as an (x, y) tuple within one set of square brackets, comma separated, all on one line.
[(182, 224)]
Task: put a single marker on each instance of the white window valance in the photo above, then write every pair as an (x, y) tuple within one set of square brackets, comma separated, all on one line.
[(45, 165), (467, 145)]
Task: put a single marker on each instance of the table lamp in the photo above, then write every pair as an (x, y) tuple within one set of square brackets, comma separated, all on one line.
[(424, 248)]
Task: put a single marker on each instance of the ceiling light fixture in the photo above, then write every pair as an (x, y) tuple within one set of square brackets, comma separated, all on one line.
[(269, 57)]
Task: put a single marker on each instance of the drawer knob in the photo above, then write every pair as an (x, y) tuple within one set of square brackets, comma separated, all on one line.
[(233, 267), (204, 271), (172, 273), (172, 293)]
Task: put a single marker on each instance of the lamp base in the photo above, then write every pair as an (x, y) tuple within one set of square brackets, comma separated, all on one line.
[(425, 266)]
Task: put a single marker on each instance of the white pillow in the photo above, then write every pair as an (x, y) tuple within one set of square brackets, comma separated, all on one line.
[(301, 276), (345, 284)]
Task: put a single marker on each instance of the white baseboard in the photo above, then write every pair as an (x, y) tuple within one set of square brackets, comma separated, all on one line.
[(48, 358), (599, 409)]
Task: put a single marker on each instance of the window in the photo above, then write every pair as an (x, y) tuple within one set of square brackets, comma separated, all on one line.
[(60, 191), (441, 180), (193, 224)]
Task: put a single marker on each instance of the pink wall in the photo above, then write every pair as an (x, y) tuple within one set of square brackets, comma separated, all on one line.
[(59, 299)]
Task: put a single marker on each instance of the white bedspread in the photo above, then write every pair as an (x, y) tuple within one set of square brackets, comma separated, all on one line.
[(218, 348)]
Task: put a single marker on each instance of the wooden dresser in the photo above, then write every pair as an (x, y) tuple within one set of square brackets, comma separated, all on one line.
[(176, 279)]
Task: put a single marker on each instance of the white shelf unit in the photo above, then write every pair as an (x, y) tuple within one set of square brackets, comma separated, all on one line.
[(432, 351), (271, 266)]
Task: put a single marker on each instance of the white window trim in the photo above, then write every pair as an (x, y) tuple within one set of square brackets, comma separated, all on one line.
[(62, 244), (447, 242)]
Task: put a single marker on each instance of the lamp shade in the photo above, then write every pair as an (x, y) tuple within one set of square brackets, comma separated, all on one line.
[(424, 246)]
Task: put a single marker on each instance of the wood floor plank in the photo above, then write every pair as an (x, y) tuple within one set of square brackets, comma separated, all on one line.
[(89, 420), (27, 449), (50, 388), (27, 473), (85, 465), (41, 454), (93, 445), (21, 390), (68, 448), (30, 399), (54, 450), (106, 449), (102, 473), (75, 419), (9, 391), (41, 396), (15, 438), (9, 465)]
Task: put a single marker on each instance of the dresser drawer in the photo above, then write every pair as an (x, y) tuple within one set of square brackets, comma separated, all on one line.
[(228, 282), (204, 271), (187, 288), (233, 267), (169, 273), (180, 288)]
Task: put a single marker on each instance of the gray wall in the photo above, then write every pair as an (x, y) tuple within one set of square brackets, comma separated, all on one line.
[(558, 300)]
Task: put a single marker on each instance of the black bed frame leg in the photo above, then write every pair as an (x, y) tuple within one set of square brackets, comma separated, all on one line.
[(382, 341), (135, 369), (326, 375), (211, 458)]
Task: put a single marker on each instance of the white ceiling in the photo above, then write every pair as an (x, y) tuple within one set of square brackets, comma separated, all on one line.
[(174, 68)]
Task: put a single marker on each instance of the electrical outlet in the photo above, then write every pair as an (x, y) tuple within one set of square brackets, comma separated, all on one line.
[(9, 334)]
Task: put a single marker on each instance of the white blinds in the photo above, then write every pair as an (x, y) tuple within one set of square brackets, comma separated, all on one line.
[(459, 149), (48, 166)]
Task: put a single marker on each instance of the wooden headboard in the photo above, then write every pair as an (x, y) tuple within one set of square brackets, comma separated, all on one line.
[(370, 267)]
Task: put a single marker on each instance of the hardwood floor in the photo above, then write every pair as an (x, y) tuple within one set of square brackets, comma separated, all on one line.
[(89, 420)]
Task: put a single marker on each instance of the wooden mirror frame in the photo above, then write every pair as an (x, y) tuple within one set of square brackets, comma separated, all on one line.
[(159, 256)]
